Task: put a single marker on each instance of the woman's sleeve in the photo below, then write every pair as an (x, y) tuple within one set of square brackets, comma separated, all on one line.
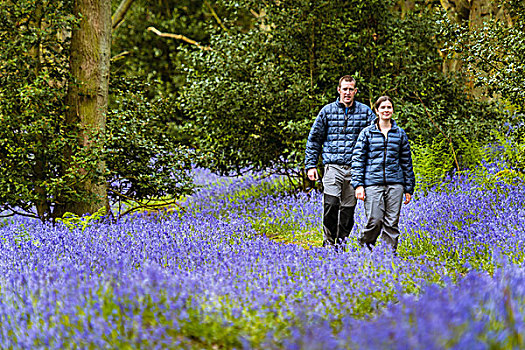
[(406, 165)]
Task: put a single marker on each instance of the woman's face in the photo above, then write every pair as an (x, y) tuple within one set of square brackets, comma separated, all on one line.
[(385, 110)]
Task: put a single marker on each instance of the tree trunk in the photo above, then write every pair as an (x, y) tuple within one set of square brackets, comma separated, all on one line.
[(120, 13), (405, 6), (87, 97), (471, 13)]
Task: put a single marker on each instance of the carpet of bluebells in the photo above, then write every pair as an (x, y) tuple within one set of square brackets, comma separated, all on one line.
[(242, 267)]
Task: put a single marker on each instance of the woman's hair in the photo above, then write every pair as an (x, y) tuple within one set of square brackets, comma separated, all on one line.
[(381, 100)]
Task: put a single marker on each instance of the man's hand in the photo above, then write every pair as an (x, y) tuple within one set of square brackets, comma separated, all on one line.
[(408, 197), (312, 174), (360, 193)]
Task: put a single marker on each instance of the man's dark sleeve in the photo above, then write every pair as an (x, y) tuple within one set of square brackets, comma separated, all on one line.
[(315, 141), (371, 117)]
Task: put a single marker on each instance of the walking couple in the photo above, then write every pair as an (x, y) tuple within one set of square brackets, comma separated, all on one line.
[(365, 157)]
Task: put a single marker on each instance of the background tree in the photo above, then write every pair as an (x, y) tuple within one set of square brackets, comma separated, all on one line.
[(238, 81), (140, 52), (492, 51), (468, 14), (34, 72), (146, 166), (53, 157), (255, 95)]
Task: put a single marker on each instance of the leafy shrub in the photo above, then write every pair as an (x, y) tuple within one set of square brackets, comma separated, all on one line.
[(434, 162), (253, 97), (492, 52), (510, 147), (73, 221), (143, 160)]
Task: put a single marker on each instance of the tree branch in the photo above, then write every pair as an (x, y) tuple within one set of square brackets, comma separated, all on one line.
[(14, 212), (119, 56), (120, 13), (255, 14), (145, 205), (214, 14), (179, 37)]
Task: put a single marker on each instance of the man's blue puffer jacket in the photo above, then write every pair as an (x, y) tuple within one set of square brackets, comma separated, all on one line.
[(383, 161), (335, 132)]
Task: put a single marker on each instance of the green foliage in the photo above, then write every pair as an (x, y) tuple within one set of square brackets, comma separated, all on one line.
[(73, 221), (511, 147), (409, 69), (144, 162), (140, 52), (41, 158), (33, 134), (432, 162), (493, 52), (256, 94), (446, 110)]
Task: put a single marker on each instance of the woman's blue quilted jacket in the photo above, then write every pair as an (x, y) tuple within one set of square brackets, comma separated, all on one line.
[(383, 161)]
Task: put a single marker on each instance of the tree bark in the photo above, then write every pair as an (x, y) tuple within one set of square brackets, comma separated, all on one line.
[(87, 97), (471, 13)]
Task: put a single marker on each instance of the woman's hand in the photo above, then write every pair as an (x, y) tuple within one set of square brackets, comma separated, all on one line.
[(408, 197), (360, 193)]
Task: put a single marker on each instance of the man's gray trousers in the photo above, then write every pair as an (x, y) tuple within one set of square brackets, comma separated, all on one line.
[(338, 204)]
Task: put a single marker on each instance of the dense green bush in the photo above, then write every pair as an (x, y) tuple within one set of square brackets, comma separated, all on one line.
[(144, 162), (435, 161), (33, 136), (509, 147), (502, 159), (253, 98)]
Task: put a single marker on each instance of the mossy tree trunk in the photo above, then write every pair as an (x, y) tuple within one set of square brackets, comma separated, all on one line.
[(87, 100)]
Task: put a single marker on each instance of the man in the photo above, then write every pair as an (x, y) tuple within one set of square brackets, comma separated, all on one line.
[(333, 136)]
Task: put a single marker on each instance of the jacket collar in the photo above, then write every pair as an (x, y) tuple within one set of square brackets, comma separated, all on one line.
[(375, 126), (342, 105)]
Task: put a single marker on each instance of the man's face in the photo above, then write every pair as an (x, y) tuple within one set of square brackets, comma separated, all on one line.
[(347, 92)]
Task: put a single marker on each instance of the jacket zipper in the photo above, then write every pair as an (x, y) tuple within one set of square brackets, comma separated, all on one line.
[(384, 157), (385, 139), (346, 120)]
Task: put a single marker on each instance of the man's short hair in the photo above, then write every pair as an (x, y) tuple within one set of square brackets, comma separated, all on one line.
[(347, 78)]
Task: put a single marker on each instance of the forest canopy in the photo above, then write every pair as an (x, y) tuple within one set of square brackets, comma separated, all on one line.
[(232, 86)]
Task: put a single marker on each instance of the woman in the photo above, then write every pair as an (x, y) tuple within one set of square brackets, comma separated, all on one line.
[(382, 175)]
